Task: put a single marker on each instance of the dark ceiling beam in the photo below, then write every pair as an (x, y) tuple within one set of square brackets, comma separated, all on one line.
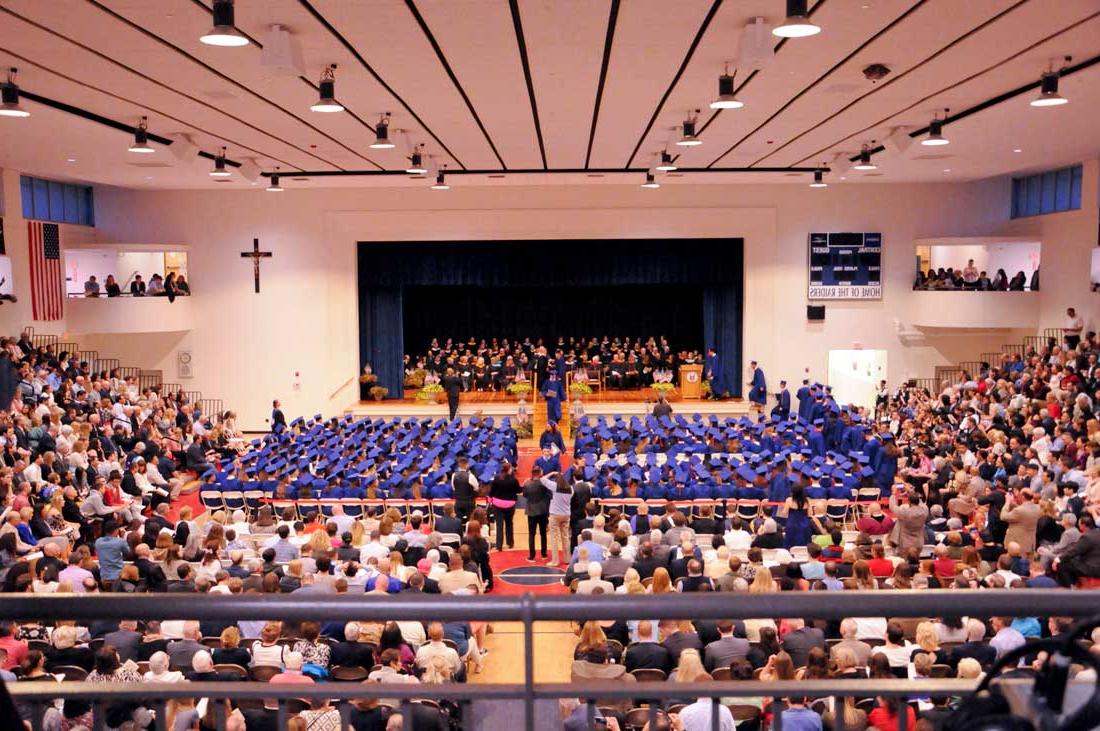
[(427, 31), (521, 43), (540, 171), (168, 44), (829, 72), (676, 79), (324, 22), (612, 20), (994, 101), (896, 77)]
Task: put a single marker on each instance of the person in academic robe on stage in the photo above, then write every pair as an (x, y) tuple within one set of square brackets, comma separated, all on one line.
[(783, 402), (552, 392), (713, 373), (541, 365), (452, 386), (278, 421), (758, 393)]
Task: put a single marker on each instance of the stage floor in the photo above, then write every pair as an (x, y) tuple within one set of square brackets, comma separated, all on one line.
[(502, 404)]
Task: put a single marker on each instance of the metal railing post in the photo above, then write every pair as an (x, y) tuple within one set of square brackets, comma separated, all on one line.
[(527, 615)]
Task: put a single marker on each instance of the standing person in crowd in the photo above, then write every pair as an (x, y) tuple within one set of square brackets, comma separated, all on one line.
[(537, 496), (452, 386), (503, 492), (1072, 328), (278, 419), (560, 511), (91, 287), (758, 388)]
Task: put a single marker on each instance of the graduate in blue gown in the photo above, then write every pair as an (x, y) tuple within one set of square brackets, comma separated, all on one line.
[(782, 402), (805, 398), (758, 388), (815, 440), (713, 373), (887, 468), (799, 529), (552, 392)]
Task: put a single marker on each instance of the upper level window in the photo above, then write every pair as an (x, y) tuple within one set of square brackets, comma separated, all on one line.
[(48, 200), (1051, 192)]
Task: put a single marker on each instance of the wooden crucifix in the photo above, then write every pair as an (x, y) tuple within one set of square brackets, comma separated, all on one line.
[(255, 255)]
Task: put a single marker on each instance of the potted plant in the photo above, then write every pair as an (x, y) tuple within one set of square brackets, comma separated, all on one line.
[(367, 380), (664, 388), (706, 389), (379, 392), (519, 390), (429, 393), (580, 389), (416, 378)]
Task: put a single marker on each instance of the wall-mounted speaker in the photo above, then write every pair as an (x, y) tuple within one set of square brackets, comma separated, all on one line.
[(183, 364), (815, 313)]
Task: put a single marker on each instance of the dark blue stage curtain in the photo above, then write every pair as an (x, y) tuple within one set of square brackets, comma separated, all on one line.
[(381, 341), (722, 331), (712, 266)]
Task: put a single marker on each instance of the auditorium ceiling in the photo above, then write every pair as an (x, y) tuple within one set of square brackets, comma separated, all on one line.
[(527, 86)]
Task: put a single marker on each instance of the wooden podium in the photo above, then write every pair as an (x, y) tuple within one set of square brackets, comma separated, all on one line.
[(691, 381)]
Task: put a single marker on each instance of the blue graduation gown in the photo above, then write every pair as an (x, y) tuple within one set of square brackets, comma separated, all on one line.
[(805, 403), (549, 464), (549, 438), (885, 472), (815, 440), (714, 373), (758, 394), (783, 407), (552, 393)]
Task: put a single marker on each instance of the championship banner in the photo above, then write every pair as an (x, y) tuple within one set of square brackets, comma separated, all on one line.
[(845, 266)]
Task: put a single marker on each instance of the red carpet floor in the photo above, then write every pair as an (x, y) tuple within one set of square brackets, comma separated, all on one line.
[(513, 575)]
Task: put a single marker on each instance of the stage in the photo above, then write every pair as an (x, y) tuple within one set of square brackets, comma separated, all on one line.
[(605, 403)]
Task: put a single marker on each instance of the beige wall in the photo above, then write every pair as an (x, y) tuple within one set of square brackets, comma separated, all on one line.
[(247, 348)]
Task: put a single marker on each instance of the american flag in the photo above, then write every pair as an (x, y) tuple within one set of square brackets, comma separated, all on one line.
[(47, 282)]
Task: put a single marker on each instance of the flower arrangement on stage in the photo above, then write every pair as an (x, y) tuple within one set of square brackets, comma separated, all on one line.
[(429, 393), (664, 387), (580, 389), (706, 389), (416, 378), (378, 392), (368, 376), (521, 388)]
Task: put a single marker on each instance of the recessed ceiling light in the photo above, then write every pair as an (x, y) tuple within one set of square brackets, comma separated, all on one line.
[(947, 170), (71, 159), (1017, 150)]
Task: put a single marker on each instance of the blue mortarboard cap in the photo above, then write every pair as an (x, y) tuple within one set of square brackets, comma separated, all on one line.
[(887, 437), (863, 459), (746, 473), (634, 473)]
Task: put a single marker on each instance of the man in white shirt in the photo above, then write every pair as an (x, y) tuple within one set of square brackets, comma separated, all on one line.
[(436, 648), (698, 715), (594, 581), (373, 549), (970, 275), (897, 649), (737, 538), (1073, 327)]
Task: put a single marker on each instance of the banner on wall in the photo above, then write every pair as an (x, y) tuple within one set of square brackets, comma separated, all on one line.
[(845, 266)]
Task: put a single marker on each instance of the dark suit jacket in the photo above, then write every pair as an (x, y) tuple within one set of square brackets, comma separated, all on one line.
[(126, 642), (81, 657), (646, 566), (799, 642), (980, 651), (353, 654), (647, 655), (722, 652), (152, 574), (680, 641)]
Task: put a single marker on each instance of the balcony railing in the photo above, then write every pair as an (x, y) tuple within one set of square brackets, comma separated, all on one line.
[(527, 609)]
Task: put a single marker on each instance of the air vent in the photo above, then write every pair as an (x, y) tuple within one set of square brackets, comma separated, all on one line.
[(496, 176), (674, 175), (223, 181), (933, 157), (149, 164), (300, 180), (793, 175), (219, 94), (594, 175), (872, 175)]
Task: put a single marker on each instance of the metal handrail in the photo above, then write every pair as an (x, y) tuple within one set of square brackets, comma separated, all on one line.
[(538, 608)]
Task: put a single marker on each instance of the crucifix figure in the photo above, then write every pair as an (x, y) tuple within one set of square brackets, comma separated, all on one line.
[(255, 255)]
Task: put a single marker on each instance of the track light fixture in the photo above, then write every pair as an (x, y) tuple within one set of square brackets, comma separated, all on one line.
[(666, 165), (650, 180), (935, 132), (440, 181), (1048, 91), (220, 170), (10, 97), (382, 134), (726, 98), (141, 138), (224, 32), (416, 162), (797, 23), (273, 184), (688, 138), (865, 162), (819, 180), (327, 90)]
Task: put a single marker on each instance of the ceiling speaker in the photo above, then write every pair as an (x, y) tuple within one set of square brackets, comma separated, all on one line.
[(282, 54), (755, 51), (899, 141), (182, 148)]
